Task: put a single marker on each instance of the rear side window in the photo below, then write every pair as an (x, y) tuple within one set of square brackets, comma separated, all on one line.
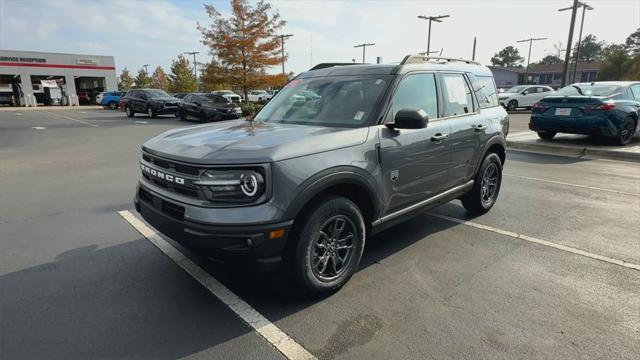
[(457, 95), (485, 90), (635, 90), (417, 91)]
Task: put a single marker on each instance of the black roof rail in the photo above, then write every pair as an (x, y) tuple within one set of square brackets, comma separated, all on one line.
[(327, 65), (421, 59)]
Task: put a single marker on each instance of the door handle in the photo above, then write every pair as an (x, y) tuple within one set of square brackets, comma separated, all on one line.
[(479, 127), (439, 137)]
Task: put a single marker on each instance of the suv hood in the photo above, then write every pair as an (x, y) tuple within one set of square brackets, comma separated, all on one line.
[(243, 142)]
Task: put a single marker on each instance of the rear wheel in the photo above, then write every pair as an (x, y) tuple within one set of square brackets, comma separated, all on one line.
[(329, 245), (129, 111), (203, 117), (627, 132), (112, 105), (512, 105), (486, 186), (546, 134)]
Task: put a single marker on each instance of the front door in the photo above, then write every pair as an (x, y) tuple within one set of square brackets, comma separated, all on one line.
[(414, 162)]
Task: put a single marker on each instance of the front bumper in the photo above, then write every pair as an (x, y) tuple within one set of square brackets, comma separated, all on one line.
[(163, 110), (245, 245)]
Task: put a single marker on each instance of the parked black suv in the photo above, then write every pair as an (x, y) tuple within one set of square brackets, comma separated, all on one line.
[(149, 101), (310, 178), (205, 107)]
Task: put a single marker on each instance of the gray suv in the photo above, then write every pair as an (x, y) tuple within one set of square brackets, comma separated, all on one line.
[(337, 155)]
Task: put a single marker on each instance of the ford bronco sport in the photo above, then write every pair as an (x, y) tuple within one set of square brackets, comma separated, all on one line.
[(308, 179)]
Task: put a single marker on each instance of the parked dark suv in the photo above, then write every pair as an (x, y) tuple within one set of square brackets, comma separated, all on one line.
[(205, 107), (310, 178), (149, 101)]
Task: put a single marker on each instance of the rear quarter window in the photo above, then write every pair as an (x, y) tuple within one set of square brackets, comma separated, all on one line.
[(485, 90)]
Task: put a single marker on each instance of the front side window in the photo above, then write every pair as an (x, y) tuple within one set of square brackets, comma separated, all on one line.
[(341, 101), (457, 95), (417, 91)]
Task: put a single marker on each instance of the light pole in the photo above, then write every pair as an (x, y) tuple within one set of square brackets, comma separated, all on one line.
[(146, 68), (567, 56), (364, 47), (430, 19), (282, 37), (195, 65), (585, 7), (526, 70)]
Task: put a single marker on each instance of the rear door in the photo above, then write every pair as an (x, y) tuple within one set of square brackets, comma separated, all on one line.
[(530, 97), (468, 125), (414, 162)]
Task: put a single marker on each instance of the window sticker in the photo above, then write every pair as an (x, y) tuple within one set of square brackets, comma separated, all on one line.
[(359, 115), (456, 89)]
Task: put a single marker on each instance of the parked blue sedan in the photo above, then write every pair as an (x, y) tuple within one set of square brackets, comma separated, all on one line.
[(609, 109)]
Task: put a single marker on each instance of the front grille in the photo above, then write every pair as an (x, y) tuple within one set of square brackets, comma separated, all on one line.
[(187, 172)]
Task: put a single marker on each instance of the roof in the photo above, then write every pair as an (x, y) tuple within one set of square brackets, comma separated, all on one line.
[(508, 68)]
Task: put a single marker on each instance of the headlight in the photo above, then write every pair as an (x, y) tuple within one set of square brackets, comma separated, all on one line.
[(240, 186)]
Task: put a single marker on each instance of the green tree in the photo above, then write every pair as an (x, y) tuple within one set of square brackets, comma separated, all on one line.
[(590, 49), (182, 78), (550, 59), (245, 44), (617, 64), (633, 42), (507, 57), (143, 80), (125, 81), (159, 79)]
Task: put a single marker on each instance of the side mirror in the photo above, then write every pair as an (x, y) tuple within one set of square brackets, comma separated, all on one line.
[(525, 92), (410, 118)]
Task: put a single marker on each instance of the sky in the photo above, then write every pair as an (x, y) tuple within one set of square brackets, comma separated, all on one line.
[(155, 32)]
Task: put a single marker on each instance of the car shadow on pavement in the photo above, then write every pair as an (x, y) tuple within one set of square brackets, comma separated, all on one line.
[(542, 159), (112, 302)]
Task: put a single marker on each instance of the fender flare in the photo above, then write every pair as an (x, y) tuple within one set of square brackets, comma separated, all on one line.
[(331, 177), (497, 139)]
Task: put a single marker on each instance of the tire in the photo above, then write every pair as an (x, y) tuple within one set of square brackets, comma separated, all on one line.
[(481, 198), (546, 134), (626, 133), (112, 105), (129, 111), (203, 117), (150, 112), (181, 115), (317, 237), (512, 105)]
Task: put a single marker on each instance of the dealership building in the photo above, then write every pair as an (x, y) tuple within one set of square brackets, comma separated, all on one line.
[(30, 78)]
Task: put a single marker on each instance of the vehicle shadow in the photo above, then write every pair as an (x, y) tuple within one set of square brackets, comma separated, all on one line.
[(114, 302), (542, 159)]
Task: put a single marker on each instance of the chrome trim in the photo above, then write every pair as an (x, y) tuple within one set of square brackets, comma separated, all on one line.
[(423, 203)]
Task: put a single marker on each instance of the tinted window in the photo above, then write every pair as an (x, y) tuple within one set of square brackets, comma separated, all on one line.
[(635, 89), (457, 95), (187, 98), (485, 90), (417, 91)]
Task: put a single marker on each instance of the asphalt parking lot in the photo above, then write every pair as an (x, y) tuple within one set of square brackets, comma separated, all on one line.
[(551, 272)]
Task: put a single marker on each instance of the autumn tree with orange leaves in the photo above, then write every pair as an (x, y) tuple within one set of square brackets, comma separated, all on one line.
[(244, 45)]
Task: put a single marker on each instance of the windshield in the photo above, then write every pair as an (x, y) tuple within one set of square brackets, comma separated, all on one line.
[(516, 89), (588, 90), (328, 101), (156, 94)]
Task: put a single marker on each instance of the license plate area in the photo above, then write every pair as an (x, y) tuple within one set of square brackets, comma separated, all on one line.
[(563, 111)]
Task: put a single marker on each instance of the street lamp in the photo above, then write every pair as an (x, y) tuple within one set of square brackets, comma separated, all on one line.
[(195, 65), (364, 47), (526, 70), (146, 68), (430, 19), (282, 37), (567, 56), (585, 7)]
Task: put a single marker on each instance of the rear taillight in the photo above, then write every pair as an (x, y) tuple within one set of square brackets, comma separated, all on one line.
[(540, 107), (605, 106)]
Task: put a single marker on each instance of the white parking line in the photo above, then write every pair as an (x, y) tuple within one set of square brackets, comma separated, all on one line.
[(574, 185), (541, 242), (38, 127), (269, 331), (70, 118)]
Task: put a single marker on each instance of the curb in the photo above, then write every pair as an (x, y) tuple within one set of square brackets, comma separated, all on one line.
[(574, 151)]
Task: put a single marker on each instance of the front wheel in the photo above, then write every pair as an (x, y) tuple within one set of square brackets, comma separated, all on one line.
[(627, 132), (546, 134), (512, 105), (486, 186), (329, 245), (129, 111)]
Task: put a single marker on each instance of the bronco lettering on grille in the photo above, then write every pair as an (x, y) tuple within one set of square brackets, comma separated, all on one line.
[(162, 175)]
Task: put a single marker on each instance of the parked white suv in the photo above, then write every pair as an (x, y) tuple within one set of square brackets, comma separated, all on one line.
[(229, 95), (523, 96), (258, 95)]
